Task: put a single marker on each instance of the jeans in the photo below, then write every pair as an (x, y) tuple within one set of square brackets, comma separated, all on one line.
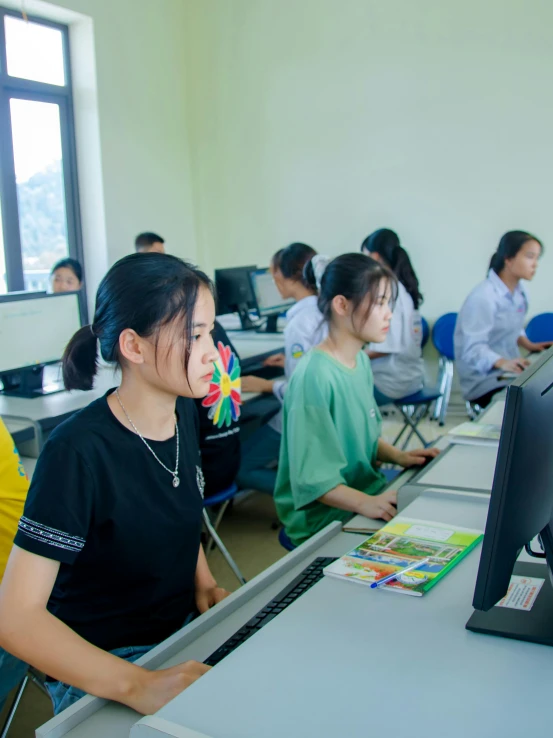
[(12, 672), (260, 451)]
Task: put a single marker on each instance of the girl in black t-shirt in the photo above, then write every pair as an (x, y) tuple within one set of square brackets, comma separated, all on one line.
[(107, 559)]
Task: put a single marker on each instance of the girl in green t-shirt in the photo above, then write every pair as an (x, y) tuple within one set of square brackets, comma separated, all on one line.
[(331, 432)]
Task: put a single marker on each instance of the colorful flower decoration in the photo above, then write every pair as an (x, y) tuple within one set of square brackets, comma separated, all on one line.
[(224, 397)]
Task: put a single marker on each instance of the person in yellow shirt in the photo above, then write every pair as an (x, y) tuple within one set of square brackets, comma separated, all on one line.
[(13, 492)]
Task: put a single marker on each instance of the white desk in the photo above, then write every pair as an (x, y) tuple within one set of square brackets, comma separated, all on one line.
[(344, 660), (494, 413), (50, 410)]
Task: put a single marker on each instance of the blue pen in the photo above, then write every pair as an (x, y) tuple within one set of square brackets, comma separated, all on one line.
[(396, 574)]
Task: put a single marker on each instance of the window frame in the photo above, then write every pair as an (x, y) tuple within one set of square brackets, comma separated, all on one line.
[(24, 89)]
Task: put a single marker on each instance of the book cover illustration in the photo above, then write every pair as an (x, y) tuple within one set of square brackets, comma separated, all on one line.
[(400, 544)]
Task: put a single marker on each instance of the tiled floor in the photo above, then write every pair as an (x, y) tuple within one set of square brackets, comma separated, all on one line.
[(247, 530)]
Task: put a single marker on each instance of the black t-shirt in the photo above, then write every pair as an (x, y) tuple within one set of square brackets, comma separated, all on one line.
[(219, 415), (127, 540)]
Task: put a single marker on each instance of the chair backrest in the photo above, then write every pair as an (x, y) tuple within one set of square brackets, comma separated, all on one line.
[(540, 328), (425, 332), (442, 335)]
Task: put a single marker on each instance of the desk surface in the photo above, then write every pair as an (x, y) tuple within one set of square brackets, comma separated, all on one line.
[(494, 413), (462, 467), (345, 660)]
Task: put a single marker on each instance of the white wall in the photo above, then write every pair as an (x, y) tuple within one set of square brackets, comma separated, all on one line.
[(322, 120), (128, 59)]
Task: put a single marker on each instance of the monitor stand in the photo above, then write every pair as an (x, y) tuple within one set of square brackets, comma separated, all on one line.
[(27, 383), (270, 326), (535, 625), (245, 320)]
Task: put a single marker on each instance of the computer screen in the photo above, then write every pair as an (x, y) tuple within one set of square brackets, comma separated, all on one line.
[(521, 504), (268, 299), (234, 290), (35, 331)]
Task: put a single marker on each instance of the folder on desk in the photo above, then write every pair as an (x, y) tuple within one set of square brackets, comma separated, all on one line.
[(476, 434), (399, 544)]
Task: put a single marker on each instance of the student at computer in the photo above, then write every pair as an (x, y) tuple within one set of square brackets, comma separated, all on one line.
[(147, 242), (13, 491), (304, 329), (396, 363), (331, 441), (107, 559), (489, 332), (66, 276)]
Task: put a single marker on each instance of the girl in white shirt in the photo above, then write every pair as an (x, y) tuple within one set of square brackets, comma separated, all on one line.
[(397, 363), (489, 332), (305, 328)]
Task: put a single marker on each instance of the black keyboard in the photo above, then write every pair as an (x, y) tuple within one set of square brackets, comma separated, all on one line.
[(304, 581)]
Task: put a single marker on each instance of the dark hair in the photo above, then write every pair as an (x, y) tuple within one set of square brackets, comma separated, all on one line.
[(509, 246), (354, 276), (291, 261), (144, 292), (147, 239), (385, 242), (72, 264)]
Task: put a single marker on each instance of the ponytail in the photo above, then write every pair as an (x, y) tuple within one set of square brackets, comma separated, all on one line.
[(385, 243), (403, 269), (309, 278), (509, 246), (80, 362)]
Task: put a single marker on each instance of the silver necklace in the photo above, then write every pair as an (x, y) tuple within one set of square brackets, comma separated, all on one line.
[(175, 474)]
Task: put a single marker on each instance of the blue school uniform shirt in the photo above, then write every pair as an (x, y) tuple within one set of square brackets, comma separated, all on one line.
[(488, 327)]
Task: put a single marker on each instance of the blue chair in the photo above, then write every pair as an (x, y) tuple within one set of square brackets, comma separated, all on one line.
[(223, 499), (425, 332), (540, 328), (284, 541), (442, 338)]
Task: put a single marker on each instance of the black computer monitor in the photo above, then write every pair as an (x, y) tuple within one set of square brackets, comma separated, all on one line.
[(268, 301), (34, 331), (521, 508), (234, 293)]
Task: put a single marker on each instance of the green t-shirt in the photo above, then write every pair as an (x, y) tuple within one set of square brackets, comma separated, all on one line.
[(330, 436)]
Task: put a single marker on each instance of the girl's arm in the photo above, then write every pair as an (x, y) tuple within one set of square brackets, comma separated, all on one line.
[(376, 354), (389, 454), (525, 343), (371, 506), (30, 632), (207, 591), (257, 384)]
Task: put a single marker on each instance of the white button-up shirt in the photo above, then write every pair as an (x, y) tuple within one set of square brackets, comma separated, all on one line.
[(305, 329), (488, 327), (401, 371)]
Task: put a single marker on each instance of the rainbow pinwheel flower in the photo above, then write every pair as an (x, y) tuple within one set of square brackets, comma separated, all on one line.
[(224, 397)]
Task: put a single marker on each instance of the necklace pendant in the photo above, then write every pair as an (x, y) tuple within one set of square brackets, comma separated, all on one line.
[(176, 481)]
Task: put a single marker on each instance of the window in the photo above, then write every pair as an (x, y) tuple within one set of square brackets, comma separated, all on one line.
[(38, 180)]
